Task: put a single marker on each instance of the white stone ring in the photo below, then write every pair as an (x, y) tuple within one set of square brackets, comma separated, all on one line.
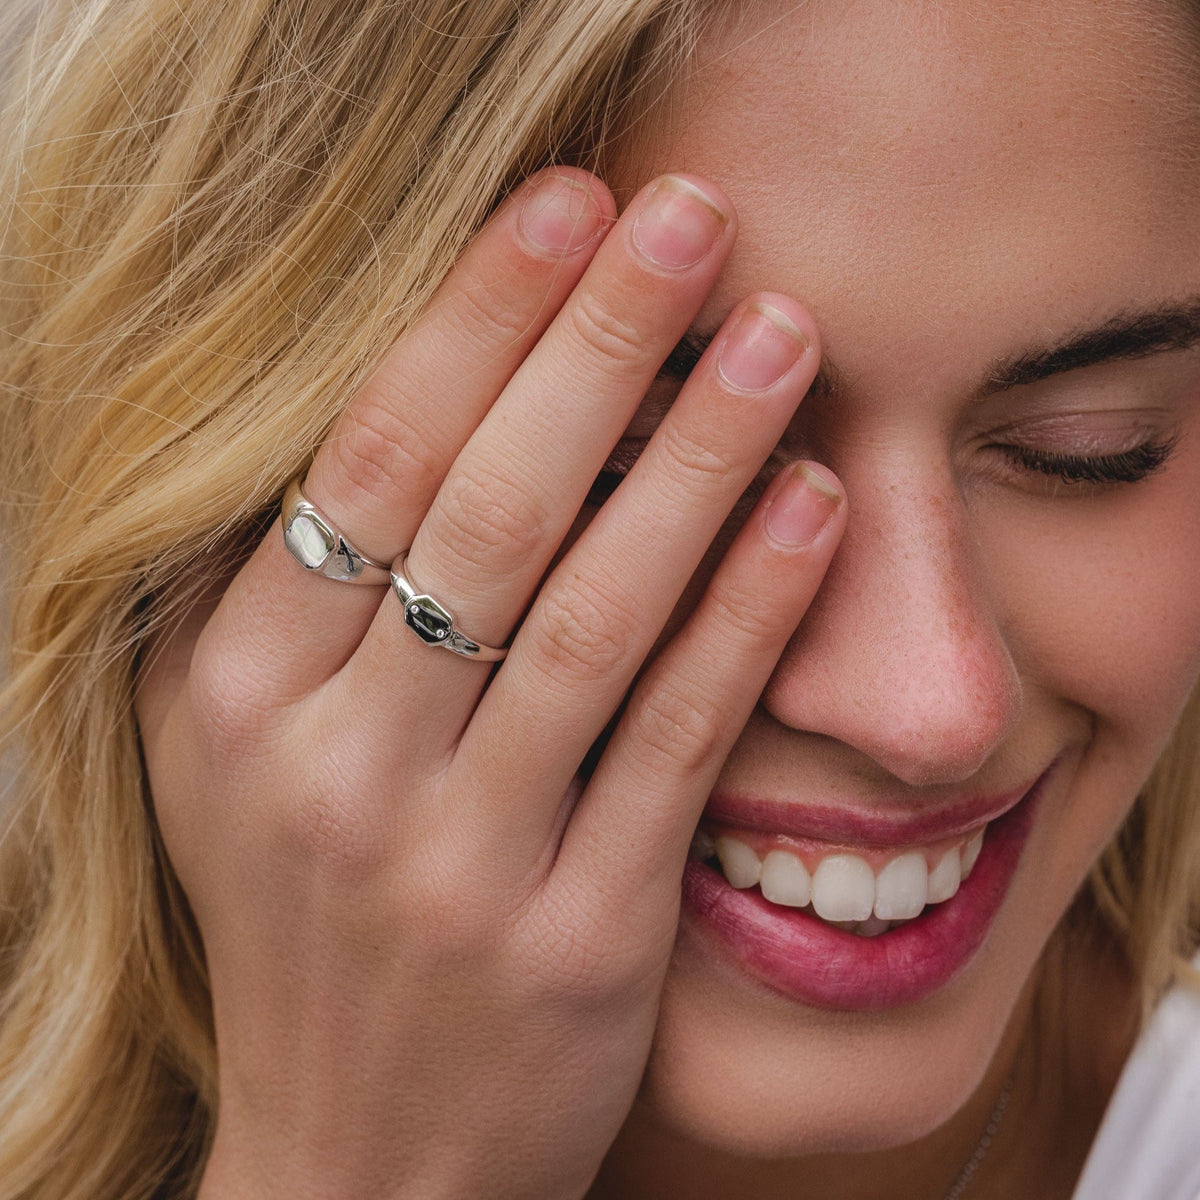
[(317, 546), (432, 623)]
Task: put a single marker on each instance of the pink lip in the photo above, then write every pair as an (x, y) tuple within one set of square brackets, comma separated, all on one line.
[(842, 825), (805, 959)]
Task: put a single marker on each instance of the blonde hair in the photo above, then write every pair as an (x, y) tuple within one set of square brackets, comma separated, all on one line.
[(216, 218)]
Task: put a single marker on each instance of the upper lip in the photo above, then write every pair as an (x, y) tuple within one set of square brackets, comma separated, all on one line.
[(877, 826)]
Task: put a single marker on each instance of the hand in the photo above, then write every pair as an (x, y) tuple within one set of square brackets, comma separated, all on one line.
[(435, 951)]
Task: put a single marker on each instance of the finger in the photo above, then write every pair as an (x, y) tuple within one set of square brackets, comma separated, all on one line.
[(386, 458), (516, 488), (630, 832), (380, 468), (604, 606)]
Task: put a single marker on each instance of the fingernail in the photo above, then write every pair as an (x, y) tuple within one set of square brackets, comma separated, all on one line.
[(760, 349), (560, 216), (678, 224), (801, 507)]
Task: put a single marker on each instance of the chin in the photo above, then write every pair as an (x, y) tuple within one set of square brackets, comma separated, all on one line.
[(744, 1072)]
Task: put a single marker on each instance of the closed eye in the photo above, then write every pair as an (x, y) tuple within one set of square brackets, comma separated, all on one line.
[(1128, 466)]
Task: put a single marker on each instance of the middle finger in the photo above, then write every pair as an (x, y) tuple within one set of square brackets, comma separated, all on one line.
[(514, 491)]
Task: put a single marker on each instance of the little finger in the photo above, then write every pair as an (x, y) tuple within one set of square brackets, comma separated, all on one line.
[(603, 608)]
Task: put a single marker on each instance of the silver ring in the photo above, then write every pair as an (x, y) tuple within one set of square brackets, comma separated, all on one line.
[(432, 623), (317, 546)]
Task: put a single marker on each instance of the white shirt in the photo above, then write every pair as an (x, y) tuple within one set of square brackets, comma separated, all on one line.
[(1148, 1145)]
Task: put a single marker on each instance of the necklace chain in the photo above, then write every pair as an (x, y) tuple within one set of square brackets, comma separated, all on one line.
[(972, 1164)]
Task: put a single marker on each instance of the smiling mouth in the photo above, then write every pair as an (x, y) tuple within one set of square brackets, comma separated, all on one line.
[(865, 871), (885, 918)]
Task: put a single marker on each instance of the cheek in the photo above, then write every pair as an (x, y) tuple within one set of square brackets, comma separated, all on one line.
[(1100, 601)]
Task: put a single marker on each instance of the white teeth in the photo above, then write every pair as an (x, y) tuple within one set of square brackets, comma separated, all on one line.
[(843, 888), (971, 853), (902, 887), (740, 864), (785, 879), (945, 877)]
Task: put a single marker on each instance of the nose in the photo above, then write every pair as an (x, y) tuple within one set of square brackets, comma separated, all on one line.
[(902, 655)]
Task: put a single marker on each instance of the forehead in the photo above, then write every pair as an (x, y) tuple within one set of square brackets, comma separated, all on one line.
[(893, 162)]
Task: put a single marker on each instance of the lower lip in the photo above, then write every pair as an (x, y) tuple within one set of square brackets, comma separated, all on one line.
[(802, 957)]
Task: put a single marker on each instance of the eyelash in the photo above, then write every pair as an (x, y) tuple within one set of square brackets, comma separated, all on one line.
[(1130, 466)]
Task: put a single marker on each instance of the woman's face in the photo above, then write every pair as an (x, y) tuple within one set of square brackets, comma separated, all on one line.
[(993, 212)]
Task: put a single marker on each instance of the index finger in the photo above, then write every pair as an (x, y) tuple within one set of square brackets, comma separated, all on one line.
[(382, 464), (379, 470)]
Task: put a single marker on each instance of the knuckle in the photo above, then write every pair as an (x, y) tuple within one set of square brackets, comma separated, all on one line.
[(492, 518), (581, 635), (698, 464), (743, 617), (584, 960), (380, 454), (335, 837), (489, 311), (454, 916), (681, 728), (605, 333), (230, 708), (572, 960), (337, 821)]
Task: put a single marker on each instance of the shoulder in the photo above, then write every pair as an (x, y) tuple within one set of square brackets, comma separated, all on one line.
[(1147, 1145)]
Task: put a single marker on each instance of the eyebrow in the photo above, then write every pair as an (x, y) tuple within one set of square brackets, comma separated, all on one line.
[(1129, 335)]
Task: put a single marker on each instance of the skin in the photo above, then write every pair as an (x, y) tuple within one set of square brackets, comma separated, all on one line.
[(442, 963)]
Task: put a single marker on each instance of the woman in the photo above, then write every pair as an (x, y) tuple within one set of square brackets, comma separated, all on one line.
[(524, 300)]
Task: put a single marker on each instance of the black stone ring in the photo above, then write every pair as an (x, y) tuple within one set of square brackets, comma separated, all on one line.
[(432, 623)]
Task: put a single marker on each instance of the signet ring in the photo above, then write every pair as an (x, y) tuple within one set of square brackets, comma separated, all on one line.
[(432, 622), (317, 545)]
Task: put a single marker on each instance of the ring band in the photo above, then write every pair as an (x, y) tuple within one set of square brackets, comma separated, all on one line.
[(317, 546), (432, 623)]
